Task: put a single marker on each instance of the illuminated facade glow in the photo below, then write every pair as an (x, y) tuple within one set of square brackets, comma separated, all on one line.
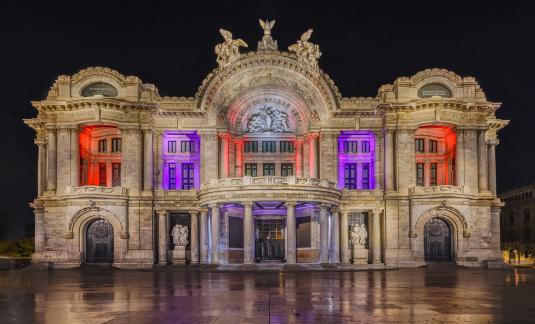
[(267, 162)]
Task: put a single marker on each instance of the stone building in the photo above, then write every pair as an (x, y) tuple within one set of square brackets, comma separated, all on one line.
[(267, 162), (517, 224)]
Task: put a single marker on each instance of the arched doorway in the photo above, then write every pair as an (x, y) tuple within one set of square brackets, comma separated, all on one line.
[(99, 242), (437, 240)]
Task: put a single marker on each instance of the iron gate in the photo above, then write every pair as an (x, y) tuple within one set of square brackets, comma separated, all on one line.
[(437, 240), (99, 242)]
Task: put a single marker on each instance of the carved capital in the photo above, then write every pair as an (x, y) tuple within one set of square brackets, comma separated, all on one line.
[(125, 235), (69, 235)]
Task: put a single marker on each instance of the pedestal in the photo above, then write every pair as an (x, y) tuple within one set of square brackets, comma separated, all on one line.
[(178, 255), (360, 255)]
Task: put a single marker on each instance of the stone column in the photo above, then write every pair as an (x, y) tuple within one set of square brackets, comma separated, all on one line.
[(482, 161), (147, 160), (329, 156), (291, 233), (131, 165), (224, 151), (203, 228), (298, 157), (389, 159), (75, 157), (51, 155), (248, 233), (194, 236), (335, 236), (376, 236), (459, 158), (344, 236), (209, 156), (163, 245), (324, 234), (41, 166), (214, 218), (313, 155), (39, 229), (159, 160), (491, 150)]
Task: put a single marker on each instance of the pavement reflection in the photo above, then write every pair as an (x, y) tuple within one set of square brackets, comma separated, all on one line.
[(102, 295)]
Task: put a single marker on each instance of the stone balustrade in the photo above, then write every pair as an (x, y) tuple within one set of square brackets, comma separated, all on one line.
[(96, 190), (444, 189), (269, 180)]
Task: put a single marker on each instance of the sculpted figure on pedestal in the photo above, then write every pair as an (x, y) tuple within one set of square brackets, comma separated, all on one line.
[(228, 51), (180, 235), (307, 52), (267, 43), (358, 235)]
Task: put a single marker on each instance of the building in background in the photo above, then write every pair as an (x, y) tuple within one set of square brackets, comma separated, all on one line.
[(518, 225), (267, 162)]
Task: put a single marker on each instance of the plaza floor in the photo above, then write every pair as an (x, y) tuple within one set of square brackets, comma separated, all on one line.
[(437, 293)]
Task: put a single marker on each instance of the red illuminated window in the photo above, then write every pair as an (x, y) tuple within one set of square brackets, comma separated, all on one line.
[(83, 172), (102, 146), (419, 144), (433, 146), (116, 174), (102, 174), (433, 174), (420, 174), (116, 144)]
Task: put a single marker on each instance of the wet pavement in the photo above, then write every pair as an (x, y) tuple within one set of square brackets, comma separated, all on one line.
[(438, 293)]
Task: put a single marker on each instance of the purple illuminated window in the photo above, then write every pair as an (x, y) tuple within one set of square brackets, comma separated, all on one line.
[(366, 176), (181, 164), (350, 176), (356, 160), (187, 176), (172, 176)]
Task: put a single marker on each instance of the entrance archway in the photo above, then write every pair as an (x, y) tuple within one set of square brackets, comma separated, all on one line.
[(437, 240), (99, 242)]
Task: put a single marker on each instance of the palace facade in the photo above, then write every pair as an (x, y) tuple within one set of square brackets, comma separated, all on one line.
[(268, 162)]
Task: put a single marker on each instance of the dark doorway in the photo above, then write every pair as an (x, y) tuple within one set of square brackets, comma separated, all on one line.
[(269, 239), (437, 240), (99, 242)]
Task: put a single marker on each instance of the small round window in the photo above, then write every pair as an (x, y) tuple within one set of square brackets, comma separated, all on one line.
[(434, 89), (99, 88)]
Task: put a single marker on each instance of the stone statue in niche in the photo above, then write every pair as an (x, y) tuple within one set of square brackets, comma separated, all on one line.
[(180, 235), (359, 235), (268, 119)]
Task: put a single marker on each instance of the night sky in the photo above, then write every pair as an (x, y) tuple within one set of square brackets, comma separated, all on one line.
[(363, 46)]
